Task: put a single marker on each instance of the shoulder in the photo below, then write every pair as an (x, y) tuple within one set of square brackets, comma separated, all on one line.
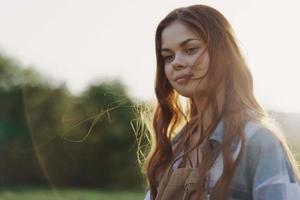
[(267, 166), (259, 137), (267, 154), (264, 153), (262, 149)]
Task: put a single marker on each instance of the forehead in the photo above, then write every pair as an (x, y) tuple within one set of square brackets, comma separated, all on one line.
[(175, 33)]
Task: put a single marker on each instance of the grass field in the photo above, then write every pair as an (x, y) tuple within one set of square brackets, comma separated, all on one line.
[(68, 194)]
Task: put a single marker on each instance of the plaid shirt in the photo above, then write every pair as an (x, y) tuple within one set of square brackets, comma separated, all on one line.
[(263, 173)]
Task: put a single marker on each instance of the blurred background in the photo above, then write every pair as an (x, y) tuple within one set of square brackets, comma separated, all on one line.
[(73, 72)]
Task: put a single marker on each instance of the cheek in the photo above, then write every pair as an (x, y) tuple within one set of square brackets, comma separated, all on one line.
[(206, 60), (203, 63), (168, 71)]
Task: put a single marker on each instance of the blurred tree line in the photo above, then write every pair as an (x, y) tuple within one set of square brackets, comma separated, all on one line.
[(50, 137)]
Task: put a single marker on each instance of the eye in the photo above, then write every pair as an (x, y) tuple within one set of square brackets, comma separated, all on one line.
[(191, 50), (167, 58)]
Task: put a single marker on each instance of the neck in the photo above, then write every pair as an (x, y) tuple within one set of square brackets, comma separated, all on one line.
[(204, 107)]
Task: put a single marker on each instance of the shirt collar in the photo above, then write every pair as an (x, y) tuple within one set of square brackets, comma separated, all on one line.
[(218, 133), (218, 136)]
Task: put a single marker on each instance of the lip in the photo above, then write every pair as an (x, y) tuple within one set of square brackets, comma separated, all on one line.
[(183, 77)]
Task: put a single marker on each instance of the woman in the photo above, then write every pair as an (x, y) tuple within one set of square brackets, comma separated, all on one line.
[(227, 148)]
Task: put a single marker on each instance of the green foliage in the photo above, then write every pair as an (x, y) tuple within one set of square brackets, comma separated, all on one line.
[(13, 75), (9, 73), (49, 136), (69, 194)]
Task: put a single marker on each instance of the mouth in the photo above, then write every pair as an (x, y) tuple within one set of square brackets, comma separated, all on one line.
[(183, 78)]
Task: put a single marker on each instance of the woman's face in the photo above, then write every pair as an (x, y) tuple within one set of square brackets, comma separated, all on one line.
[(186, 60)]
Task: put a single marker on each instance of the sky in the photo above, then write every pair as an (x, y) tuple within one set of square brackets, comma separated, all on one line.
[(80, 42)]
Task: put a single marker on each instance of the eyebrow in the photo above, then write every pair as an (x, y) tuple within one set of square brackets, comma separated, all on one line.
[(181, 44)]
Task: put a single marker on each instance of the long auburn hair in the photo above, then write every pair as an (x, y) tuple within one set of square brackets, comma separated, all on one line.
[(228, 70)]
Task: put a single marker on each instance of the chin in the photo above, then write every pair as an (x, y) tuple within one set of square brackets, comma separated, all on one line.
[(185, 93), (188, 90), (191, 93)]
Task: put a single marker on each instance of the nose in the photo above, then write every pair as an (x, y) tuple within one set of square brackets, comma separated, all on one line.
[(178, 62)]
